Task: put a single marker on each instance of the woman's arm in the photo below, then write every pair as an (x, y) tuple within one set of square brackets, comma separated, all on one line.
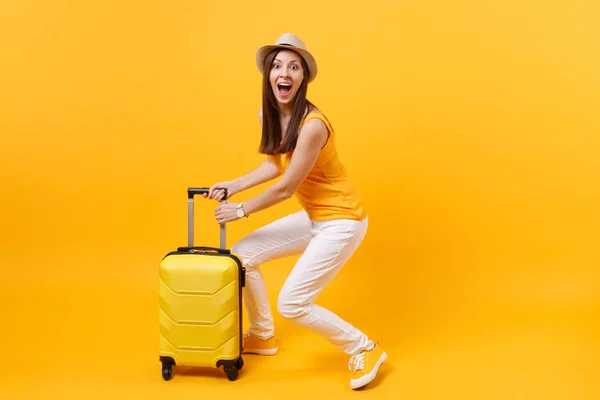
[(265, 172), (311, 139)]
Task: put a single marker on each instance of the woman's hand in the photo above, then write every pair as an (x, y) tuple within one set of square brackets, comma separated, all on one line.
[(226, 212), (216, 192)]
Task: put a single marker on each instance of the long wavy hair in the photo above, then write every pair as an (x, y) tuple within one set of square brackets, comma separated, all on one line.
[(271, 127)]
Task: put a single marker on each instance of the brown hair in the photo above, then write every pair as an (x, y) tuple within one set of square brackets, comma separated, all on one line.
[(271, 127)]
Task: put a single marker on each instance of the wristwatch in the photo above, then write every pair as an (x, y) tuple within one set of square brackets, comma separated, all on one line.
[(240, 211)]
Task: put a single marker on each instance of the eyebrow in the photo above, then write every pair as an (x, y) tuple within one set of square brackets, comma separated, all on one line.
[(294, 60)]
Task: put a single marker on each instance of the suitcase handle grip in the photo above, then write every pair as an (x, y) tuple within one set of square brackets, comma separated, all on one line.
[(203, 190), (191, 192), (202, 249)]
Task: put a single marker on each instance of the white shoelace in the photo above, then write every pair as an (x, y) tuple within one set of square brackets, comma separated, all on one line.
[(356, 362)]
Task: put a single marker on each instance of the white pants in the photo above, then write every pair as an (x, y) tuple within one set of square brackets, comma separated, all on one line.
[(325, 246)]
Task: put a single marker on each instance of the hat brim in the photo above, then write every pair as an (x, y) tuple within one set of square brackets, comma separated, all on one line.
[(263, 52)]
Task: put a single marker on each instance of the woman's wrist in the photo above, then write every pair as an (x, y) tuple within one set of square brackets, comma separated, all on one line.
[(235, 187)]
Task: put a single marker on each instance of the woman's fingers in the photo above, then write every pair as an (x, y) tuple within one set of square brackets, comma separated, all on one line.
[(216, 192), (225, 213), (220, 217)]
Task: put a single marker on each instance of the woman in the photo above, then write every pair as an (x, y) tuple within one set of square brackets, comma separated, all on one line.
[(299, 144)]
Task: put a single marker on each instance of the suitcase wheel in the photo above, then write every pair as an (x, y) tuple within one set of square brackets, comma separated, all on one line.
[(232, 372), (167, 371), (239, 364)]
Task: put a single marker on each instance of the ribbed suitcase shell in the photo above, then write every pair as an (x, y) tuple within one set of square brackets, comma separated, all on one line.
[(200, 303)]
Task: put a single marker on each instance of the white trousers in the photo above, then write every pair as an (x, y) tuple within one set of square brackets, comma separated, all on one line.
[(325, 247)]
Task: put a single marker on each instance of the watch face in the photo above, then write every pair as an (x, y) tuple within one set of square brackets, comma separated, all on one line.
[(240, 212)]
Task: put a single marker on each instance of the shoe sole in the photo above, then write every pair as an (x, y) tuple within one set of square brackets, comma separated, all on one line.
[(262, 352), (362, 381)]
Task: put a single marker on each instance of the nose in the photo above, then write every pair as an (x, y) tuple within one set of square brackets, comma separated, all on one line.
[(284, 72)]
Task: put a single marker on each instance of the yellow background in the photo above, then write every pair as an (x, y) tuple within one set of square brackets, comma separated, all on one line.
[(470, 127)]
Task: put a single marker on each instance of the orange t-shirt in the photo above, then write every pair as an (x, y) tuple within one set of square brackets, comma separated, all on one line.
[(327, 193)]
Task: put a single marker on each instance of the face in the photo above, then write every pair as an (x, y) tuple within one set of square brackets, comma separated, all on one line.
[(286, 76)]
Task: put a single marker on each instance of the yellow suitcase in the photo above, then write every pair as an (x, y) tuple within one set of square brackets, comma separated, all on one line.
[(200, 305)]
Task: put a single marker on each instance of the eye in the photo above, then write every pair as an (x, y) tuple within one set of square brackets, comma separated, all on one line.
[(294, 67), (276, 66)]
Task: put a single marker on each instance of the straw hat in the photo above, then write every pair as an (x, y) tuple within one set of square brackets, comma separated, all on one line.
[(288, 41)]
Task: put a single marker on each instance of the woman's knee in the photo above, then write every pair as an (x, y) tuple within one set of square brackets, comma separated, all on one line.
[(244, 250), (290, 306)]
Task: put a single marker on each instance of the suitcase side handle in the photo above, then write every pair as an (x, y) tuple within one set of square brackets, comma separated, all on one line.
[(191, 192)]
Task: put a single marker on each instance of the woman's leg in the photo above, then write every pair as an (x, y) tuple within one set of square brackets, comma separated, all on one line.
[(332, 245), (285, 237)]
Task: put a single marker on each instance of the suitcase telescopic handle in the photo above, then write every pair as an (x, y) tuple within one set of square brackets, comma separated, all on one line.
[(199, 191), (203, 190)]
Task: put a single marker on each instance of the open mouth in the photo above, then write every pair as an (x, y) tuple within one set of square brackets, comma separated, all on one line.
[(284, 88)]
